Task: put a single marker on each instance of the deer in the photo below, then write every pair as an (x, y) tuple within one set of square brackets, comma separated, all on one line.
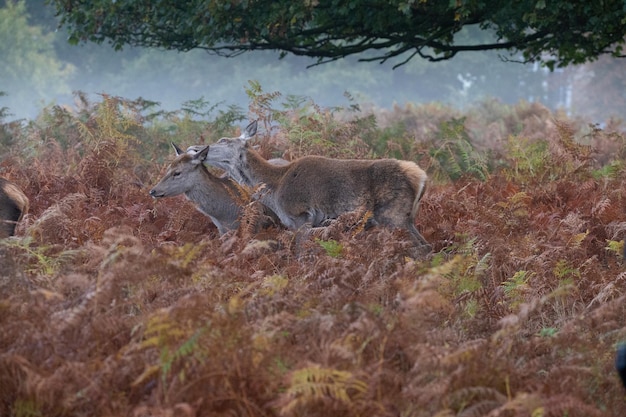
[(314, 190), (219, 198), (13, 206)]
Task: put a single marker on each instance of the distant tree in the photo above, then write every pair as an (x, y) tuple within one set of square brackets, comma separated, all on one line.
[(475, 76), (599, 89), (555, 32), (30, 69)]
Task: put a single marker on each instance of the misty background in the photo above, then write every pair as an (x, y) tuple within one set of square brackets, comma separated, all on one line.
[(39, 68)]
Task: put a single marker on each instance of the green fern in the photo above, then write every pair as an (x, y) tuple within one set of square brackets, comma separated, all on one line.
[(192, 120), (463, 273), (454, 155), (563, 270), (26, 408), (169, 357), (313, 384), (261, 103), (309, 128), (333, 248), (186, 254), (548, 332), (612, 170), (393, 140), (515, 210), (274, 284), (526, 159), (39, 259), (165, 334), (114, 121), (616, 247), (516, 286)]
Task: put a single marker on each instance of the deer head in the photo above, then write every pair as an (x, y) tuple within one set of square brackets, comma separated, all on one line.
[(228, 153), (182, 175)]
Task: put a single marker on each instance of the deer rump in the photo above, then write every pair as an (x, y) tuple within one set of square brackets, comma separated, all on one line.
[(13, 206)]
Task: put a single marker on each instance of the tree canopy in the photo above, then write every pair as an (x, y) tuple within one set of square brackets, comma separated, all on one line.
[(554, 32)]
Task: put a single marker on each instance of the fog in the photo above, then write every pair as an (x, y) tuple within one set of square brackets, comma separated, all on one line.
[(47, 71), (172, 78)]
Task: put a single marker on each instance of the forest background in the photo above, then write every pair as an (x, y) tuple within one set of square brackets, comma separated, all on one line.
[(40, 67)]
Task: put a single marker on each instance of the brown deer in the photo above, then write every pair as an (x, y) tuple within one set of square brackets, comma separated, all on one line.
[(13, 206), (314, 190), (213, 196)]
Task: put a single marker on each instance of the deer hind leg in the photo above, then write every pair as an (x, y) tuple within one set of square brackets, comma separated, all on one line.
[(401, 213), (419, 239), (395, 215)]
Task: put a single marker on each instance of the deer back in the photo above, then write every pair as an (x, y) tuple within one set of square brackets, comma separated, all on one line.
[(329, 187)]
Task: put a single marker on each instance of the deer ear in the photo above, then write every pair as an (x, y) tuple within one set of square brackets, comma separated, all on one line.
[(201, 155), (249, 131), (194, 149), (177, 149)]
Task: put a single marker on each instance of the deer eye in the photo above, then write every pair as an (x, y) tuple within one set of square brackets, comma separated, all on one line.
[(176, 174)]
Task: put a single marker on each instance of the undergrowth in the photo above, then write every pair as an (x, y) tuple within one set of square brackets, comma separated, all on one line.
[(112, 303)]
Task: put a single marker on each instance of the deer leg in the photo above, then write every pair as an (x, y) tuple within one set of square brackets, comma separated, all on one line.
[(419, 239)]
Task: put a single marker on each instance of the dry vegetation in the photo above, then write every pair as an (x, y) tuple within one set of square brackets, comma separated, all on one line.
[(114, 304)]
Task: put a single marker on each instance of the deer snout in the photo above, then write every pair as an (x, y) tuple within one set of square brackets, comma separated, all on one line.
[(155, 194)]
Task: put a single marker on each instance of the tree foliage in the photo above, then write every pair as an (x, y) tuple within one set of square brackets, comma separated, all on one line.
[(557, 32)]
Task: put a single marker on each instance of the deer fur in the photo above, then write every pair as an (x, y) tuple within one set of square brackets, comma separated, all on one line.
[(213, 196), (13, 206), (314, 190)]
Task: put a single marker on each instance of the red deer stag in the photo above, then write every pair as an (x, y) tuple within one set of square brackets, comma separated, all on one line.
[(313, 190), (13, 206)]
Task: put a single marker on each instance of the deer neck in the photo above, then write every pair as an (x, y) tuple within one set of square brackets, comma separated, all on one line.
[(256, 170), (209, 190)]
